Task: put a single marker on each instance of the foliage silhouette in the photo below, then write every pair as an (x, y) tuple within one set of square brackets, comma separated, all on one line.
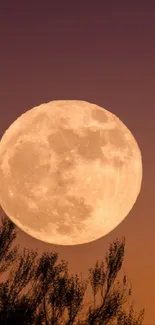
[(7, 236), (39, 290)]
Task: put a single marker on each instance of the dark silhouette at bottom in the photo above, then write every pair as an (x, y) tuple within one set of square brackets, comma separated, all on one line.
[(39, 290)]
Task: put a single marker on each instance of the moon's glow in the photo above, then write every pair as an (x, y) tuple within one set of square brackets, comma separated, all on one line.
[(71, 172)]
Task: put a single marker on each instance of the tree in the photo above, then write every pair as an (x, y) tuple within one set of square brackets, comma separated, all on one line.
[(42, 280), (39, 291), (15, 307), (59, 295), (7, 236), (114, 295)]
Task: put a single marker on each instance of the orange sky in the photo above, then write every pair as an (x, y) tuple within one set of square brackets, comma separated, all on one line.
[(105, 55)]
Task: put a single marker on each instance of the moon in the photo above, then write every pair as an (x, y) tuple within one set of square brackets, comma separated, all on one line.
[(70, 171)]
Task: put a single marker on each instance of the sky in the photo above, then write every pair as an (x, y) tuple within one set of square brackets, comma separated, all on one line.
[(103, 54)]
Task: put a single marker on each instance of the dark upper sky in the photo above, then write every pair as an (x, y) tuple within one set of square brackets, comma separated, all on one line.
[(104, 54)]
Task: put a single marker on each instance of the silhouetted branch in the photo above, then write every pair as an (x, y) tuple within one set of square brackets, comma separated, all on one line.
[(7, 236)]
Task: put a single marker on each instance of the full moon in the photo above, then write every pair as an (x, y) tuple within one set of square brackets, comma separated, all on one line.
[(70, 172)]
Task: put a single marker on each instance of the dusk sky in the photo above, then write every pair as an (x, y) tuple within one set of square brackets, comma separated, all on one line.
[(105, 54)]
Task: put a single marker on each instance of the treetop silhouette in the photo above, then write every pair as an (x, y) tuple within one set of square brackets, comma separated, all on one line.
[(39, 290)]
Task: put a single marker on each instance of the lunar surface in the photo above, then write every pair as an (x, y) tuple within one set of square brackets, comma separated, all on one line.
[(70, 172)]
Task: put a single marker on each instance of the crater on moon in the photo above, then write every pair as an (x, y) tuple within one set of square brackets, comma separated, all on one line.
[(88, 146), (99, 116)]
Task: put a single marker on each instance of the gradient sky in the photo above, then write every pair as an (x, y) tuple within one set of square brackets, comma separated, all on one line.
[(103, 54)]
